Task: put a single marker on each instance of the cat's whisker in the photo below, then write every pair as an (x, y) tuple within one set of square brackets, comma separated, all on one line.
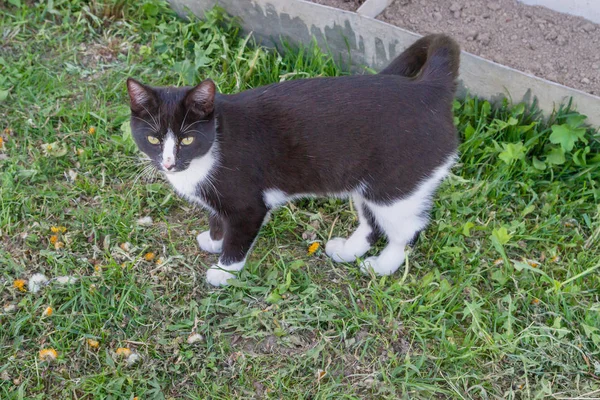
[(188, 126), (183, 122), (193, 131), (156, 124), (146, 122)]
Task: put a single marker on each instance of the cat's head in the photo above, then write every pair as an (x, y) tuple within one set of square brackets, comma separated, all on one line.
[(173, 126)]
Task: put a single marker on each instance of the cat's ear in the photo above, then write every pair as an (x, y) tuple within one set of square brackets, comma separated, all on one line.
[(201, 99), (141, 96)]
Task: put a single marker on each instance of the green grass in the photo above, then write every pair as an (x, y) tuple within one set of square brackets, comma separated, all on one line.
[(501, 299)]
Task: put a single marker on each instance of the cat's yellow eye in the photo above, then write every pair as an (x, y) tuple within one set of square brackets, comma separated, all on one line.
[(187, 140), (153, 140)]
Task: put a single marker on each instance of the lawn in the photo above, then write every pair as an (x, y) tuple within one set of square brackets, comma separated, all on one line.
[(500, 298)]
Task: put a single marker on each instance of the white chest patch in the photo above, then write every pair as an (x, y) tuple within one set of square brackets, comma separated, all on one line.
[(186, 182)]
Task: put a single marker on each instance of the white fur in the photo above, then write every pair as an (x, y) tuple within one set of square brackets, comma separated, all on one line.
[(219, 274), (346, 250), (207, 244), (274, 198), (168, 154), (186, 182), (402, 219)]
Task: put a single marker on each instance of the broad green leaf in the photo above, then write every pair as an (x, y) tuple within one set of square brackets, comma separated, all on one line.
[(567, 136), (274, 297), (580, 156), (486, 108), (589, 330), (556, 156), (538, 164), (501, 235), (519, 109), (467, 229), (3, 95), (512, 152), (528, 210), (469, 131), (126, 130), (499, 276), (575, 121)]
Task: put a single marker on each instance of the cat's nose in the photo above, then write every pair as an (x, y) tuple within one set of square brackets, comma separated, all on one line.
[(168, 164)]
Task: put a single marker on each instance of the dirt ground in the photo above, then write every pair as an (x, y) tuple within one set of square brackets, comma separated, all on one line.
[(536, 40), (348, 5)]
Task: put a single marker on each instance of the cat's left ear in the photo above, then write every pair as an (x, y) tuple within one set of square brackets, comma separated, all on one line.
[(201, 98)]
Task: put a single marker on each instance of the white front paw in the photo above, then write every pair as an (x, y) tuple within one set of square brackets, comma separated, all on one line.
[(335, 248), (209, 245), (217, 276)]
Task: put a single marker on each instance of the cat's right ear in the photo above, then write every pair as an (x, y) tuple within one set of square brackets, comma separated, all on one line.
[(140, 96)]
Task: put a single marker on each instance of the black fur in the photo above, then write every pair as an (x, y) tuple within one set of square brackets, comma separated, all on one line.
[(385, 132)]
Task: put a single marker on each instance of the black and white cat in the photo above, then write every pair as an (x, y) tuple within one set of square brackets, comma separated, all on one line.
[(386, 140)]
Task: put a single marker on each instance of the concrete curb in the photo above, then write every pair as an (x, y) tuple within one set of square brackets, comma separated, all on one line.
[(373, 43)]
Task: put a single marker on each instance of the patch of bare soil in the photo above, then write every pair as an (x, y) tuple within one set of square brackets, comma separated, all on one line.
[(348, 5), (558, 47)]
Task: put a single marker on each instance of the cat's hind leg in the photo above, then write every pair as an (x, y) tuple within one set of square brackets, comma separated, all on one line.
[(365, 235), (402, 220), (212, 240)]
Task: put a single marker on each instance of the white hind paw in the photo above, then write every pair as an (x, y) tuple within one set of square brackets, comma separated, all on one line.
[(372, 263), (209, 245), (218, 277)]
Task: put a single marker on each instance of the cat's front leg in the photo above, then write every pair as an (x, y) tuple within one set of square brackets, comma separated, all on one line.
[(212, 240), (240, 232)]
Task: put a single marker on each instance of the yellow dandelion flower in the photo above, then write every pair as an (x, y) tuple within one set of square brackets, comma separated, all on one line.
[(20, 285), (1, 142), (159, 261), (98, 269), (533, 264), (123, 351), (7, 131), (555, 259), (535, 302), (149, 256), (48, 312), (498, 261), (92, 130), (312, 248), (53, 239), (125, 246), (58, 229), (94, 344), (136, 398), (48, 354)]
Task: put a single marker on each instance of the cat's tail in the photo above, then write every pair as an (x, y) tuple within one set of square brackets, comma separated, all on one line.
[(431, 58)]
